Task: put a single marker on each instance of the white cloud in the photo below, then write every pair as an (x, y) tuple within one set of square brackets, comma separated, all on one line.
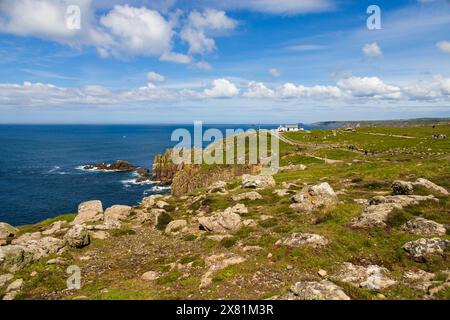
[(199, 25), (221, 88), (372, 50), (137, 31), (274, 72), (369, 87), (203, 65), (258, 90), (290, 90), (361, 90), (175, 57), (444, 46), (305, 47), (155, 77), (278, 6)]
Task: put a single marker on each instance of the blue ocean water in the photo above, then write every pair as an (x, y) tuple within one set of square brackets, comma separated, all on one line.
[(39, 175)]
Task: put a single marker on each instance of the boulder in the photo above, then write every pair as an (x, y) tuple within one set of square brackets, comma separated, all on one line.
[(421, 248), (377, 213), (17, 256), (77, 236), (373, 277), (418, 279), (313, 197), (26, 237), (117, 213), (100, 235), (89, 211), (259, 181), (424, 227), (252, 195), (282, 192), (150, 216), (150, 276), (222, 222), (293, 167), (55, 227), (303, 239), (402, 187), (150, 201), (315, 290), (216, 263), (218, 187), (238, 208), (249, 223), (7, 231), (161, 204), (13, 289), (176, 226), (430, 185), (5, 278)]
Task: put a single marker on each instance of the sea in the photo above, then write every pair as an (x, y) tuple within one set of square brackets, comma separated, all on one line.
[(41, 173)]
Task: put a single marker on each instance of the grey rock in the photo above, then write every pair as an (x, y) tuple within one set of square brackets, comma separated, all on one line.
[(89, 211), (421, 248), (424, 227), (316, 290), (303, 239), (7, 231), (400, 187), (258, 181), (313, 197), (117, 213), (77, 236), (252, 195)]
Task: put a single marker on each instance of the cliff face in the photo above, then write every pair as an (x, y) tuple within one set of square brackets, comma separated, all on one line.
[(185, 178), (192, 177), (163, 168)]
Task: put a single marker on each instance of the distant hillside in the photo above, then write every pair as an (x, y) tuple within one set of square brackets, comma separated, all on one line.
[(384, 123)]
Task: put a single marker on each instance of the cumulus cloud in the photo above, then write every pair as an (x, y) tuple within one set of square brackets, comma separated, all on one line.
[(444, 46), (274, 72), (369, 87), (372, 50), (221, 88), (155, 77), (136, 31), (121, 32), (200, 25), (290, 90), (353, 89), (258, 90)]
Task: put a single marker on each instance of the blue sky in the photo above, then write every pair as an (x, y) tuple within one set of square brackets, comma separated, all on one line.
[(265, 61)]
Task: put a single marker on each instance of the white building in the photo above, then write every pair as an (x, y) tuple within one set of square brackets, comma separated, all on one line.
[(289, 128)]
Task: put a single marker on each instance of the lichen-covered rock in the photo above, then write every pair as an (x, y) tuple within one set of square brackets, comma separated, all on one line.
[(418, 280), (400, 187), (421, 248), (150, 201), (4, 278), (303, 239), (77, 236), (313, 197), (117, 213), (89, 211), (150, 216), (55, 227), (315, 290), (252, 195), (16, 256), (377, 213), (373, 277), (176, 226), (282, 192), (222, 222), (293, 167), (259, 181), (216, 263), (424, 227), (218, 187), (27, 237), (430, 185), (7, 231)]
